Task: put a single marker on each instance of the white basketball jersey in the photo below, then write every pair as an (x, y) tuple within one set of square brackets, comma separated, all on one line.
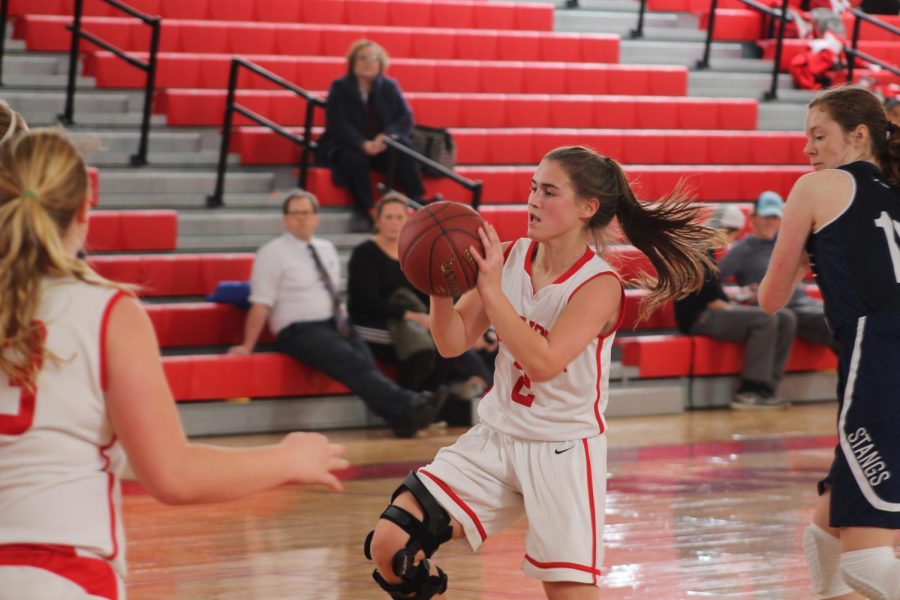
[(59, 459), (570, 406)]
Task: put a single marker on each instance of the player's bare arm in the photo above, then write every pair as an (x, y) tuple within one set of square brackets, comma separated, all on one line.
[(810, 205), (143, 414)]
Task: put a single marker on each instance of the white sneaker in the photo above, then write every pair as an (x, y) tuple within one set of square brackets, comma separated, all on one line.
[(756, 401)]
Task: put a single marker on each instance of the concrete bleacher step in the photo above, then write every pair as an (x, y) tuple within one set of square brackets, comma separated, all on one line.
[(193, 199), (123, 181), (35, 64), (163, 140), (656, 25), (33, 102), (245, 230), (49, 82), (654, 52), (85, 120), (783, 116), (207, 159), (734, 85)]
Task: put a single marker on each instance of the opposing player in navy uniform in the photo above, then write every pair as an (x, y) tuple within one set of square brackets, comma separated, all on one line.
[(843, 221)]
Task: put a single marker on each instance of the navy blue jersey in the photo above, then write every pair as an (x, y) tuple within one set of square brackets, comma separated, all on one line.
[(856, 257)]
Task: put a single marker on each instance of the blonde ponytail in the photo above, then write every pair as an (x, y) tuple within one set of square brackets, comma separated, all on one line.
[(43, 186)]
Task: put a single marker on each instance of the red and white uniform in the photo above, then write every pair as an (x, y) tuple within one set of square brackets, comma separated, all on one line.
[(539, 449), (60, 514)]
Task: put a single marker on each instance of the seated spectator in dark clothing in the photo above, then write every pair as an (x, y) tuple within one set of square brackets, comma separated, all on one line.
[(294, 289), (767, 338), (365, 106), (392, 316), (748, 260)]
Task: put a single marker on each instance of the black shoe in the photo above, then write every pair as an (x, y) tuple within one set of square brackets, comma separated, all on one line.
[(422, 413)]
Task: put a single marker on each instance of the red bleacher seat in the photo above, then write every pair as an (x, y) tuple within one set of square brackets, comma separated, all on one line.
[(261, 375), (132, 230), (199, 324), (509, 185), (734, 24), (437, 13), (664, 356), (415, 75), (48, 33), (205, 107), (888, 51), (175, 274)]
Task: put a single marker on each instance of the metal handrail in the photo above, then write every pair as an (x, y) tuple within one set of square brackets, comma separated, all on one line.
[(638, 32), (4, 18), (783, 17), (397, 146), (67, 117), (231, 107), (852, 52)]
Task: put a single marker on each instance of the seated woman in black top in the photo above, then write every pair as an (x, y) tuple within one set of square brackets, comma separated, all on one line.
[(364, 106), (384, 306)]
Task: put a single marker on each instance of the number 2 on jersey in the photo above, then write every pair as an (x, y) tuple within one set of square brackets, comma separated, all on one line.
[(522, 383), (19, 420)]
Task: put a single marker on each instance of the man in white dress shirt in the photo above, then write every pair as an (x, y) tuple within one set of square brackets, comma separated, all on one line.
[(298, 299)]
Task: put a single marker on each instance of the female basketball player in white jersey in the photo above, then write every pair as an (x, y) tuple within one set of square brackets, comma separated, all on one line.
[(540, 448), (81, 381), (846, 216)]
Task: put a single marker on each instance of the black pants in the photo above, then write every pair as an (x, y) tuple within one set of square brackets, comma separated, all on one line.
[(349, 361), (354, 167)]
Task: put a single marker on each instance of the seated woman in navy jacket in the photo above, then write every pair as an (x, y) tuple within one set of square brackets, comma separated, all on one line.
[(364, 106)]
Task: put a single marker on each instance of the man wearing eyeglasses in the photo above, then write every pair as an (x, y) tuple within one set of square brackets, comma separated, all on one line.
[(294, 290)]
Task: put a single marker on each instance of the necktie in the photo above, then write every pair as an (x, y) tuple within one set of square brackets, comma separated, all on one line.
[(340, 319)]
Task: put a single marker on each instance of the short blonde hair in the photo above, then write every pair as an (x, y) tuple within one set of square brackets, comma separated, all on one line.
[(360, 45)]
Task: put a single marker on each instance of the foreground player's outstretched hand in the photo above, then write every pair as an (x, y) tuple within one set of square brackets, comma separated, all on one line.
[(490, 265), (314, 459)]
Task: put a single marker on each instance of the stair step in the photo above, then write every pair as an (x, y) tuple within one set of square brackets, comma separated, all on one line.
[(151, 181)]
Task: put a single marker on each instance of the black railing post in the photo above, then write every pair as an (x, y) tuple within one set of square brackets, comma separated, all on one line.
[(307, 143), (639, 31), (710, 25), (216, 199), (476, 194), (68, 113), (851, 57), (140, 158), (4, 18), (772, 94)]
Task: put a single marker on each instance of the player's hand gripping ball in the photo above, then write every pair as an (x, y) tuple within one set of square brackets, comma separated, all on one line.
[(434, 248)]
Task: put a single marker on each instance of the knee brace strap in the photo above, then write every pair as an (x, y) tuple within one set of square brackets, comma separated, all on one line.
[(419, 582), (823, 557), (425, 535)]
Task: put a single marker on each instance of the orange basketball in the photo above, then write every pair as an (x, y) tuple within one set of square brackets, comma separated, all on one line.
[(434, 248)]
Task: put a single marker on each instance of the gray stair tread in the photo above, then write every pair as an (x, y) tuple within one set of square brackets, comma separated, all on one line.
[(147, 180), (208, 158)]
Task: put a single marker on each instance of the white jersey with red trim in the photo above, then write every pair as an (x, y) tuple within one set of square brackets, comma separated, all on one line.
[(59, 460), (570, 406)]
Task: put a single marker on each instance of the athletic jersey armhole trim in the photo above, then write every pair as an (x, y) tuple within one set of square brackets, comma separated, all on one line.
[(621, 315), (104, 323), (846, 207)]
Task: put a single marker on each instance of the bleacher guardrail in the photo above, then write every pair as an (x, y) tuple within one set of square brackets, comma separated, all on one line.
[(638, 32), (395, 146), (782, 15), (216, 199), (149, 67), (231, 107), (853, 52), (4, 19)]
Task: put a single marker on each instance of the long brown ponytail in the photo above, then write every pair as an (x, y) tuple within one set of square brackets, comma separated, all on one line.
[(43, 185), (669, 232)]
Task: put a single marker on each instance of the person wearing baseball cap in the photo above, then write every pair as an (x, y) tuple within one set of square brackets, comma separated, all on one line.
[(768, 338), (748, 260)]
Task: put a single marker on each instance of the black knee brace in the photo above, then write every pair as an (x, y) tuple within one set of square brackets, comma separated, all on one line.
[(426, 535)]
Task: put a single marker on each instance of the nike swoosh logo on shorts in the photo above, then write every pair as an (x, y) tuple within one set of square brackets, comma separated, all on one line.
[(565, 450)]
